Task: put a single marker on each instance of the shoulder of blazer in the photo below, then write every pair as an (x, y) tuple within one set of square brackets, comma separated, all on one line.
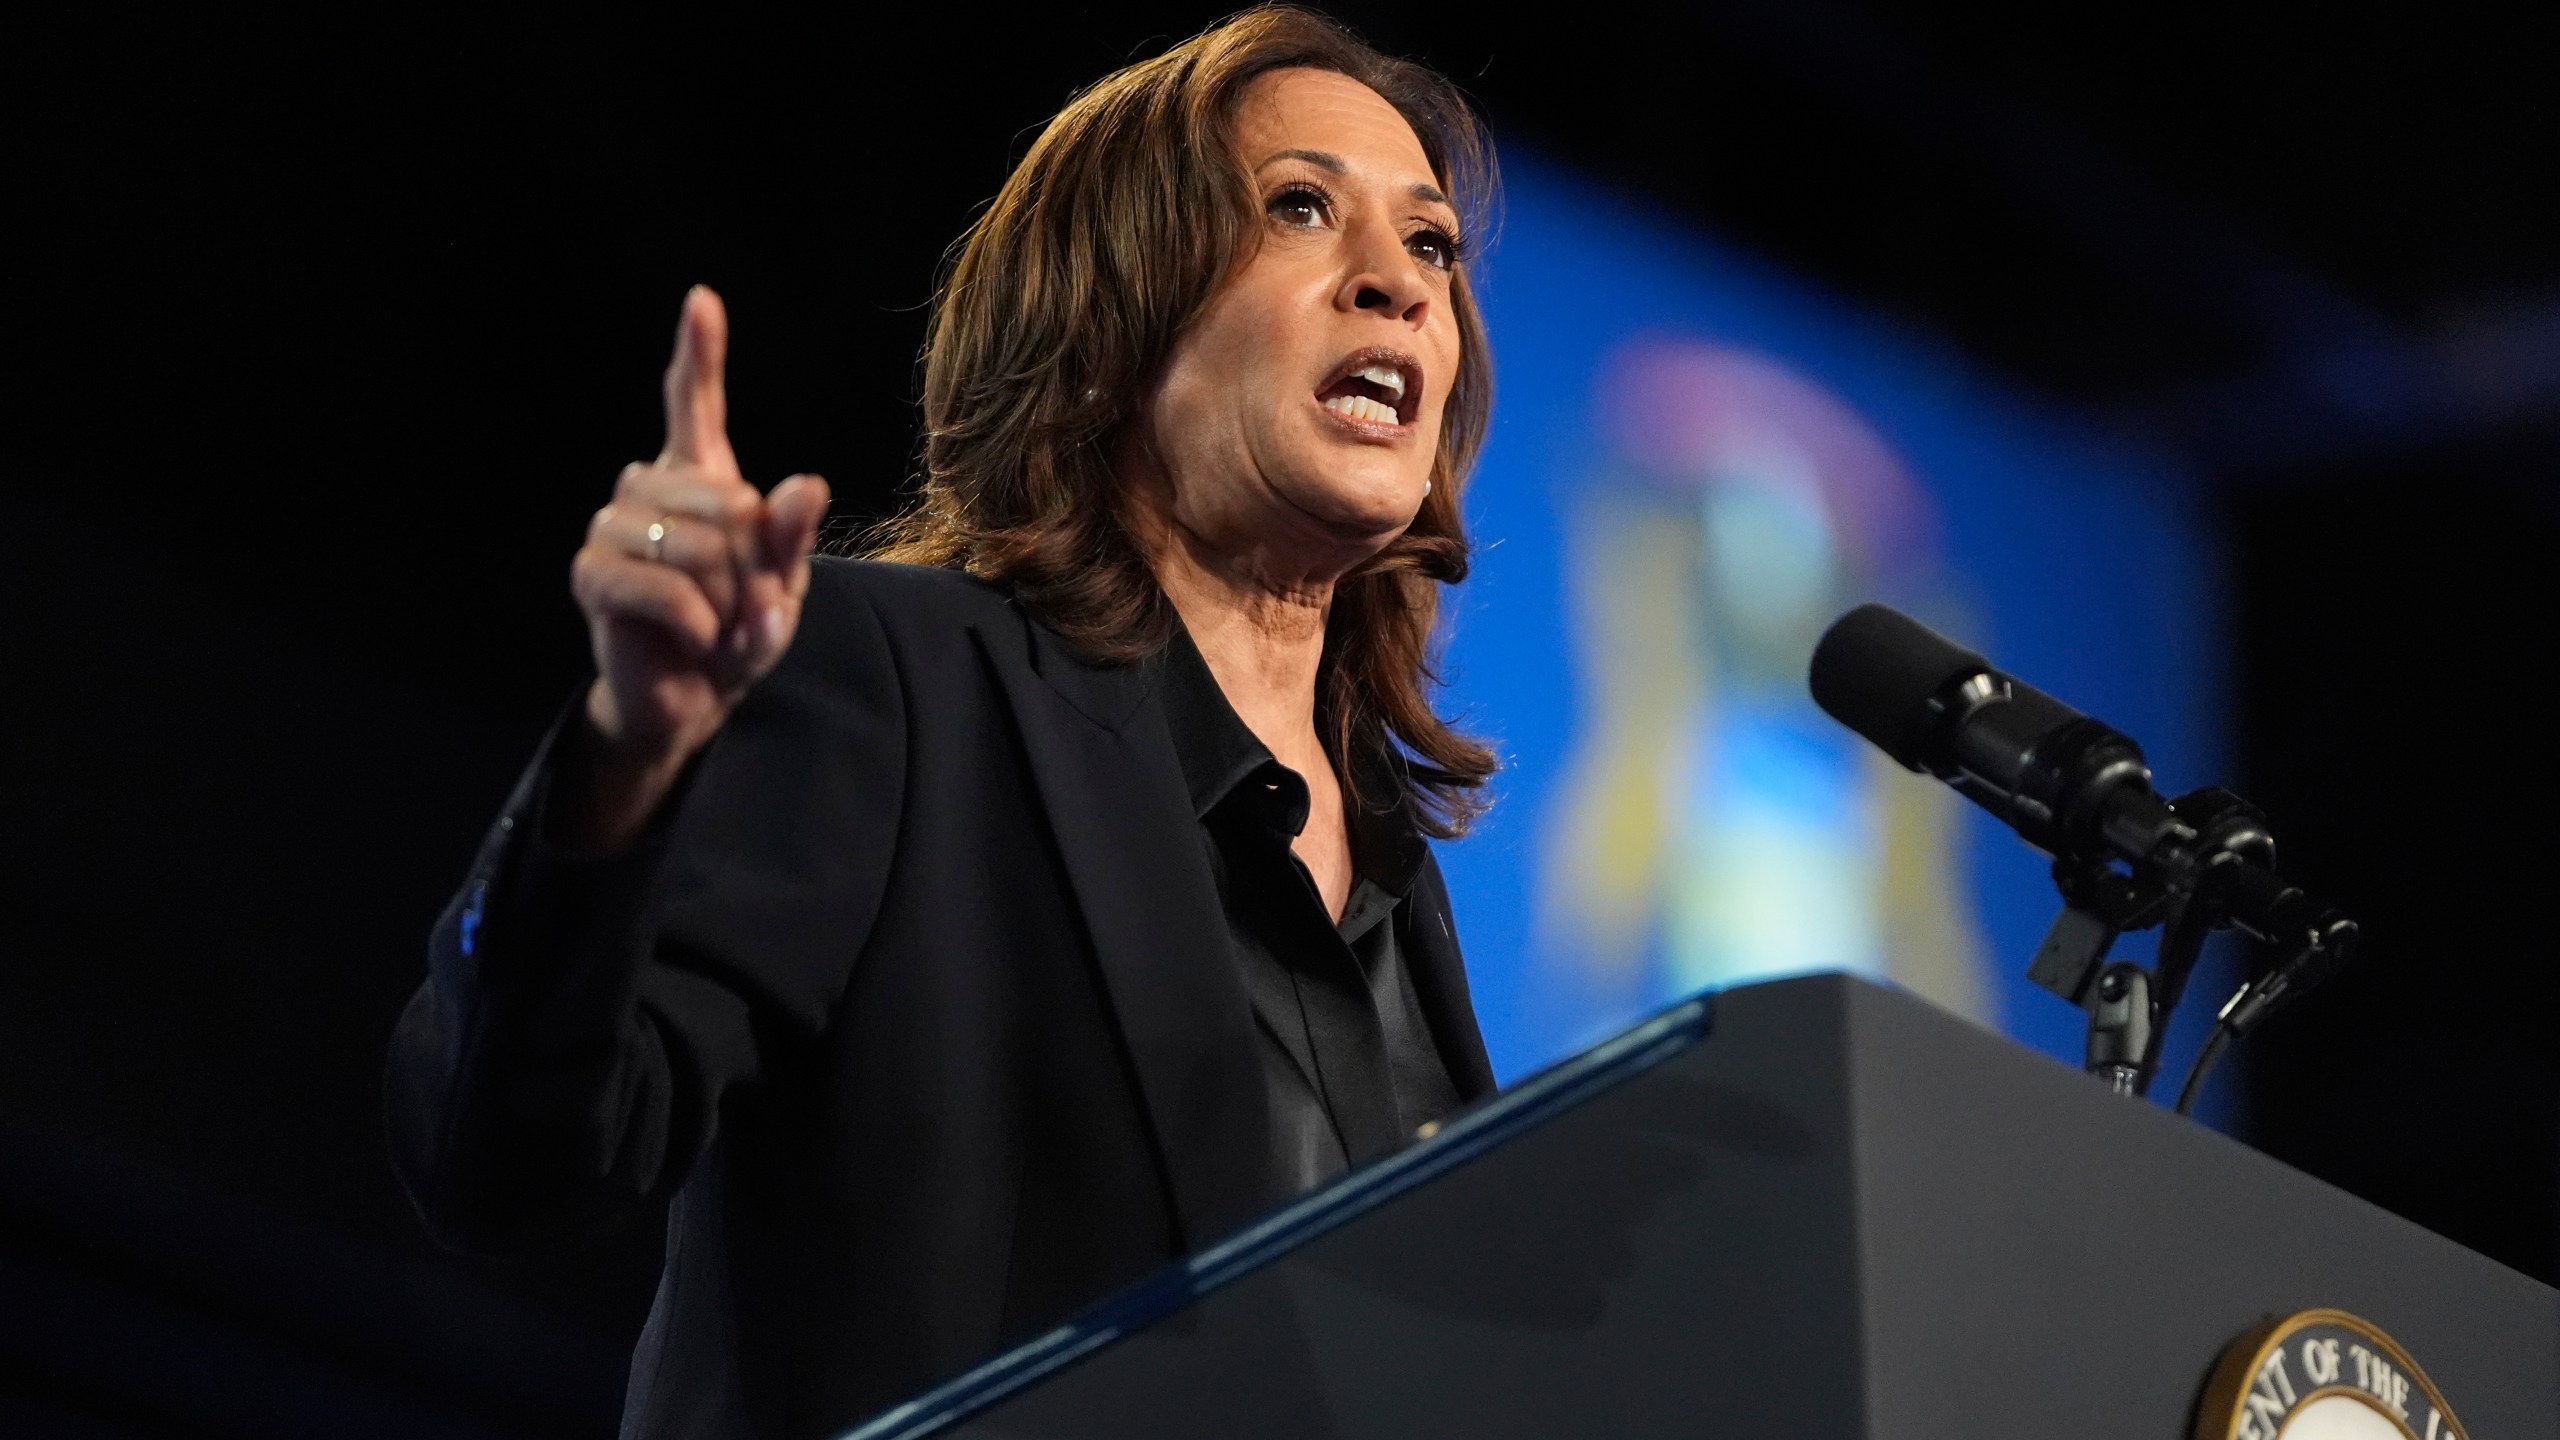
[(916, 619), (932, 608), (907, 596)]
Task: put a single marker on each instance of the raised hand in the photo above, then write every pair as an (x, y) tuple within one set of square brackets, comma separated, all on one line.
[(692, 584)]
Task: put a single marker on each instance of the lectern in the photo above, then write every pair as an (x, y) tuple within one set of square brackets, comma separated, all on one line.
[(1811, 1208)]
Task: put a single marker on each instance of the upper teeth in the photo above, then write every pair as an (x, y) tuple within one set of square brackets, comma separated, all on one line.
[(1382, 375)]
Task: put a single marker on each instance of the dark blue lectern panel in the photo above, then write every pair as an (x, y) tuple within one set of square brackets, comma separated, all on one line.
[(1838, 1213)]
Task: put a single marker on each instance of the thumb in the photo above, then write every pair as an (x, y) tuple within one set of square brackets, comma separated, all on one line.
[(788, 531), (792, 514)]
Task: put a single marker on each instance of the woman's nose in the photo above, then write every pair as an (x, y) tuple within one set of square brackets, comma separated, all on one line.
[(1385, 278)]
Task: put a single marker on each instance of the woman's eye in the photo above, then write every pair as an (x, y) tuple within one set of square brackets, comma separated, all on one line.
[(1299, 208), (1435, 248)]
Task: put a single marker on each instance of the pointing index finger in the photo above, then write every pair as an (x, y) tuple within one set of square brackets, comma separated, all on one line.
[(697, 386)]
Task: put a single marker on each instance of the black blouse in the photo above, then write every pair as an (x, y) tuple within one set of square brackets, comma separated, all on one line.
[(1348, 1059)]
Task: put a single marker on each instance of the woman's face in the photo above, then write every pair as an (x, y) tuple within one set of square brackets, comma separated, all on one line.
[(1298, 417)]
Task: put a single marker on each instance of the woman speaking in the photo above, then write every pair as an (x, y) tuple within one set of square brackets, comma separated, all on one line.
[(959, 933)]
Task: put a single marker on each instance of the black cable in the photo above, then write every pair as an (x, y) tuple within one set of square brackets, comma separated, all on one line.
[(2323, 948), (2214, 1045)]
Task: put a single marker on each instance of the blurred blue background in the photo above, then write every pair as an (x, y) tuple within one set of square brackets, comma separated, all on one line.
[(1697, 461)]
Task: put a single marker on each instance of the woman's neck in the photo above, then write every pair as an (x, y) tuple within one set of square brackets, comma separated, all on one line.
[(1264, 642), (1259, 622)]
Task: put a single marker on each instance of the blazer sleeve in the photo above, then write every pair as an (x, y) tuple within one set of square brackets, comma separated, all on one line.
[(584, 1019)]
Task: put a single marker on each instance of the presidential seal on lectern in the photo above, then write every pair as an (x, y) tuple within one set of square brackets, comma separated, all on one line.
[(2321, 1375)]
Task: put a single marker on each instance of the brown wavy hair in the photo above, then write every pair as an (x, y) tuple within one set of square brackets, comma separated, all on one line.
[(1064, 300)]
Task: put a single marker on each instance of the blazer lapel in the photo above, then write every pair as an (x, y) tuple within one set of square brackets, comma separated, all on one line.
[(1104, 762), (1440, 982)]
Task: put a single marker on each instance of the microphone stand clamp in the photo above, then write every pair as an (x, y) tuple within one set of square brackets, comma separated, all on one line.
[(2214, 869)]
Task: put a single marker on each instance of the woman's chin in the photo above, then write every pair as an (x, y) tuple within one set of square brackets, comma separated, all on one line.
[(1370, 508)]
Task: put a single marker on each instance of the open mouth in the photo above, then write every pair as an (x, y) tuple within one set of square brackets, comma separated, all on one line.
[(1378, 387)]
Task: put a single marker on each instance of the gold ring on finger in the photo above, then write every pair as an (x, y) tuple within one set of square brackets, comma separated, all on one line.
[(657, 533)]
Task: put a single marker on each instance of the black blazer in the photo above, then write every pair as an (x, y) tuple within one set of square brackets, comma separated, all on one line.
[(919, 1001)]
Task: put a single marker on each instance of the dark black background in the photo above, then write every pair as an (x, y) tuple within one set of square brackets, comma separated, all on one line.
[(331, 334)]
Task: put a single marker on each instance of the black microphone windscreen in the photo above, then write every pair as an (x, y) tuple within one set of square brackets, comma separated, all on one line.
[(1875, 672)]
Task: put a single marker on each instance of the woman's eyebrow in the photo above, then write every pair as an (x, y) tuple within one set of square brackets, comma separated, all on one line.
[(1324, 160), (1331, 164)]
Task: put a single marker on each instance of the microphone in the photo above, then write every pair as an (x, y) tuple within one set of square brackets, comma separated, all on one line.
[(2080, 790), (2071, 785)]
